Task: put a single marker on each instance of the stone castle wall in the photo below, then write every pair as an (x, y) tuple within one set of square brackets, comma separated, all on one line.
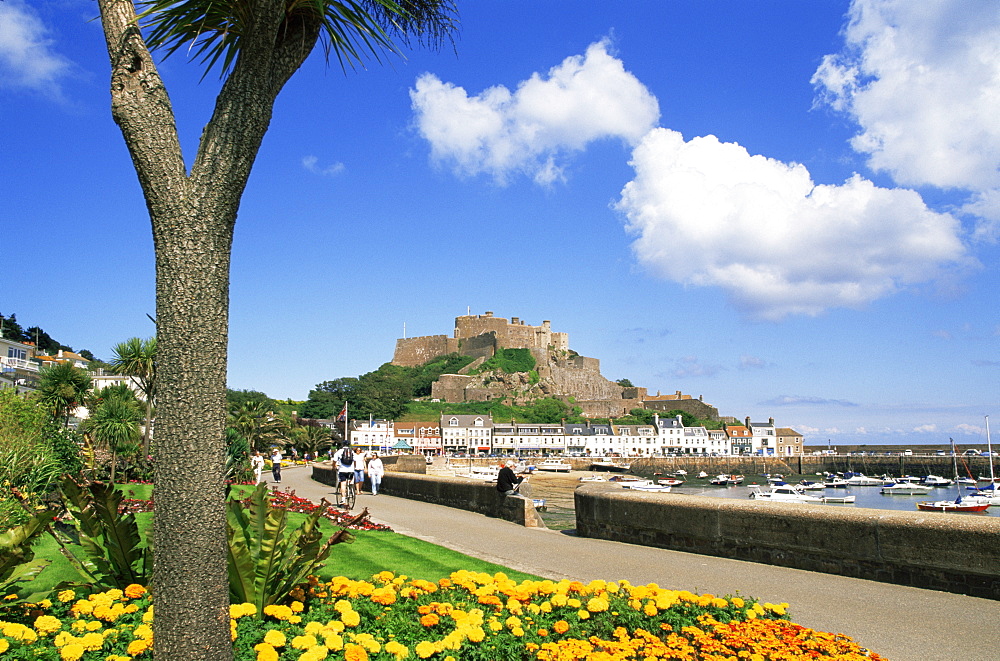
[(415, 351), (695, 407)]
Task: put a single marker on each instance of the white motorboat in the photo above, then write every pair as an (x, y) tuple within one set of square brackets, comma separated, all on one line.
[(670, 481), (811, 486), (784, 493), (726, 480), (838, 499), (554, 465), (593, 478), (644, 485), (906, 489), (484, 473), (938, 481), (834, 482), (860, 480)]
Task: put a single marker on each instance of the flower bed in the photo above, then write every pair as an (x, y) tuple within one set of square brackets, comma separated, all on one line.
[(467, 617), (283, 500)]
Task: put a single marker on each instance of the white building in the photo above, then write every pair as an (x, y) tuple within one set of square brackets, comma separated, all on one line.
[(670, 434), (636, 440), (764, 437), (466, 433), (372, 435)]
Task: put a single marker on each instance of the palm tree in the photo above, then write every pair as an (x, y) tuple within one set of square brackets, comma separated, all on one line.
[(114, 423), (259, 426), (312, 438), (63, 387), (136, 358), (258, 45)]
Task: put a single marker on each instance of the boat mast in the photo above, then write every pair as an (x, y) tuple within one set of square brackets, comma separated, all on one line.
[(989, 450)]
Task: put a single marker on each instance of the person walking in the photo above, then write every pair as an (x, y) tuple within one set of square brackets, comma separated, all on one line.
[(375, 472), (276, 465), (257, 464), (359, 469)]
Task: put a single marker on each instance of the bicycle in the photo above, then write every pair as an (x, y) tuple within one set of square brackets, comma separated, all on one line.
[(348, 497)]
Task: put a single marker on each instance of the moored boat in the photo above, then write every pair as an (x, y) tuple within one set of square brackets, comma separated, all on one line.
[(906, 489), (554, 465), (726, 480), (957, 505), (938, 481), (784, 493)]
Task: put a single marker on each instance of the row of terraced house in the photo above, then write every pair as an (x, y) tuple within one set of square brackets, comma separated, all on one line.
[(481, 435)]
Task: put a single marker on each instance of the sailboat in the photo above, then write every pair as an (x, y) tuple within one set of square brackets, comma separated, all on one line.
[(990, 495), (959, 504)]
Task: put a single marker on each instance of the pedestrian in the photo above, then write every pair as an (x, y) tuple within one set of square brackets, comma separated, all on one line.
[(375, 472), (343, 459), (359, 469), (507, 481), (257, 464), (276, 465)]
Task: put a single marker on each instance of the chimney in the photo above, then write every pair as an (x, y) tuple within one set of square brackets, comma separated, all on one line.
[(748, 422), (770, 421)]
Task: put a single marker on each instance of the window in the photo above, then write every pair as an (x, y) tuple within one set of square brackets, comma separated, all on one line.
[(19, 354), (453, 422)]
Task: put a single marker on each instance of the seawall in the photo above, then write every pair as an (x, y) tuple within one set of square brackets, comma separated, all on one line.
[(949, 552), (475, 496)]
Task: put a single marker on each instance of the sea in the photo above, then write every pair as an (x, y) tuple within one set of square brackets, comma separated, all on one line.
[(868, 497)]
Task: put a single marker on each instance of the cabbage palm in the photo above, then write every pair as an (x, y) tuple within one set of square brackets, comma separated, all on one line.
[(114, 424), (63, 387), (257, 46), (136, 358), (259, 426)]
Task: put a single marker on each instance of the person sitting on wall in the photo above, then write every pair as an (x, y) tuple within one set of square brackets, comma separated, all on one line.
[(507, 481)]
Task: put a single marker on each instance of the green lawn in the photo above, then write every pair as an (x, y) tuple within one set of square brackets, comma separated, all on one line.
[(371, 552)]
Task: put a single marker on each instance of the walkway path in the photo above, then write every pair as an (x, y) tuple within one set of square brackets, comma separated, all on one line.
[(900, 623)]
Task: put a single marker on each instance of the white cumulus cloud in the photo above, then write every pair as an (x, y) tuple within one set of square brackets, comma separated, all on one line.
[(311, 163), (922, 81), (27, 58), (533, 129), (708, 213)]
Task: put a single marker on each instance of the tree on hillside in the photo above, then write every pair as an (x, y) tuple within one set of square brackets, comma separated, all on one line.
[(114, 423), (259, 45), (136, 358)]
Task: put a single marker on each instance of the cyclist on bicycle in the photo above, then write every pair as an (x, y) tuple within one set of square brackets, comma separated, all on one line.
[(343, 459)]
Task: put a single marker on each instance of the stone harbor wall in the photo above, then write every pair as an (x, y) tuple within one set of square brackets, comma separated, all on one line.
[(948, 552)]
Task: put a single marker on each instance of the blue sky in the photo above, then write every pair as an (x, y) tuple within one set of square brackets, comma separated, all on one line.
[(789, 208)]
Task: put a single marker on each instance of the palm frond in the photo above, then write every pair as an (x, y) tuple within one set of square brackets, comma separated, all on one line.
[(214, 31)]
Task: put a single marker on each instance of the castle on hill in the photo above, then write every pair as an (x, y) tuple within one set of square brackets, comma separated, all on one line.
[(561, 372)]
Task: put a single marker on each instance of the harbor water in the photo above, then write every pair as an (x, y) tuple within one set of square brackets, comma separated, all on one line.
[(869, 497)]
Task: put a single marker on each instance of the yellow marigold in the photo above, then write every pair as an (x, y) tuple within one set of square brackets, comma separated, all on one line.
[(66, 595), (83, 607), (147, 617), (351, 618), (396, 649), (546, 607), (304, 642), (445, 583), (335, 625), (561, 627), (143, 631), (134, 591), (597, 605), (18, 632), (424, 649), (4, 645), (355, 653), (275, 638), (573, 602), (92, 641), (738, 602), (94, 626), (265, 652), (384, 596), (583, 615), (314, 654), (278, 612), (46, 624), (517, 631), (297, 607), (334, 642), (71, 652), (137, 646), (649, 610), (384, 577), (476, 634), (559, 600), (342, 606), (429, 620)]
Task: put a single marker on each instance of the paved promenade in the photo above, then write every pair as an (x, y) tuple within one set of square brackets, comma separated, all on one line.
[(900, 623)]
